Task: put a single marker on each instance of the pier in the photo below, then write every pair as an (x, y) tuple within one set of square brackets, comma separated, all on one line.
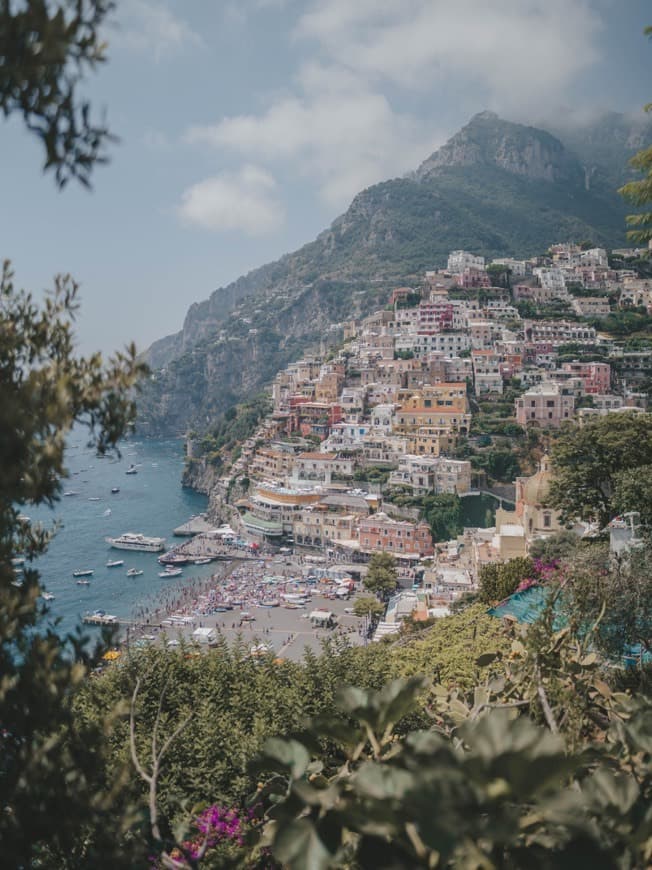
[(194, 526)]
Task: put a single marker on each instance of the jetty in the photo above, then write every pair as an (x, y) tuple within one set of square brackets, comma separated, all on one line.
[(195, 526)]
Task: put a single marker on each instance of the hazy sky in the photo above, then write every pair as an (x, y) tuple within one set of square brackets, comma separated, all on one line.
[(247, 126)]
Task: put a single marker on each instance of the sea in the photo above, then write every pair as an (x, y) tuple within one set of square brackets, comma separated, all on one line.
[(152, 502)]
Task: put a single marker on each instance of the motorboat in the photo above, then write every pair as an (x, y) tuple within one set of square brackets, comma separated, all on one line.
[(134, 572), (86, 573), (203, 561), (115, 489), (94, 498), (136, 541), (132, 469), (47, 596), (170, 572), (83, 582), (115, 563), (70, 492)]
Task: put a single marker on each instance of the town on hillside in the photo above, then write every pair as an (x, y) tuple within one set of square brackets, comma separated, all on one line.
[(424, 433)]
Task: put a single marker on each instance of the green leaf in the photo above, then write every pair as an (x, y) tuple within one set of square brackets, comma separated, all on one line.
[(298, 845), (289, 754)]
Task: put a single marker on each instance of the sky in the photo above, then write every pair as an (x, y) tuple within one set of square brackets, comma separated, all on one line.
[(246, 126)]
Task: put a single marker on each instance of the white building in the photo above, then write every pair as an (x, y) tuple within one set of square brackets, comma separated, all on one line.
[(458, 261)]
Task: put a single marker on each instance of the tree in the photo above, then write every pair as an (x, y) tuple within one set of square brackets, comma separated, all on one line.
[(633, 492), (615, 593), (639, 193), (48, 761), (588, 462), (443, 513), (500, 579), (381, 577), (47, 48), (369, 607)]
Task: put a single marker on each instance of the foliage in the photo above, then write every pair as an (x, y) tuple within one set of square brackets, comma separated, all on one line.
[(448, 651), (633, 492), (381, 577), (555, 548), (48, 759), (443, 513), (639, 192), (500, 792), (47, 50), (369, 606), (615, 593), (588, 463), (501, 465), (498, 580)]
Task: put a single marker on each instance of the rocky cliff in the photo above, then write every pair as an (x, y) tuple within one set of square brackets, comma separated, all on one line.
[(495, 188)]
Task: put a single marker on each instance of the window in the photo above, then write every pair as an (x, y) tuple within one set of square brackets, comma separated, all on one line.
[(547, 520)]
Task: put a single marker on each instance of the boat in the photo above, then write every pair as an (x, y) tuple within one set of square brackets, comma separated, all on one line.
[(270, 602), (222, 608), (115, 489), (173, 558), (17, 561), (94, 498), (70, 492), (170, 572), (132, 470), (115, 563), (201, 561), (83, 582), (86, 573), (136, 541), (107, 512), (47, 596), (134, 572)]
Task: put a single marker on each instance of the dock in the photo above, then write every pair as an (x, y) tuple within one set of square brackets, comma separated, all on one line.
[(194, 526)]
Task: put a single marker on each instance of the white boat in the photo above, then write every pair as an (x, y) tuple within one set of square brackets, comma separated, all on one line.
[(132, 470), (94, 498), (170, 572), (70, 492), (47, 596), (86, 573), (135, 541), (134, 572), (83, 582), (201, 561), (115, 563)]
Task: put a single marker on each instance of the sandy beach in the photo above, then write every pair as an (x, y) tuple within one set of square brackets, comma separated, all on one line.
[(259, 612)]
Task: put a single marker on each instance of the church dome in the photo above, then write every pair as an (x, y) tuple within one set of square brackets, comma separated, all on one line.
[(536, 488)]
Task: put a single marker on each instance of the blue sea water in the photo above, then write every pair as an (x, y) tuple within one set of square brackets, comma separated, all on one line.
[(152, 502)]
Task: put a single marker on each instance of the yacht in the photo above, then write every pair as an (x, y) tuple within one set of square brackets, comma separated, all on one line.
[(134, 572), (115, 563), (85, 573), (136, 541)]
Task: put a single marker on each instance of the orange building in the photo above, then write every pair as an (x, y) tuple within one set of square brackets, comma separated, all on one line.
[(380, 532)]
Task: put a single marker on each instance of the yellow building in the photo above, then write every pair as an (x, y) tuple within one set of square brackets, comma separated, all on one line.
[(537, 520)]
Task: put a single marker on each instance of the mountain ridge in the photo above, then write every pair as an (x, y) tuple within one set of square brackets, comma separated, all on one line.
[(495, 187)]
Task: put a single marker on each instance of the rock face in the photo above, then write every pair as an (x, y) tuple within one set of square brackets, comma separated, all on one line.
[(524, 151), (495, 188)]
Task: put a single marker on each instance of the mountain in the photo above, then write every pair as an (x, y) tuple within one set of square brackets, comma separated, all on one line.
[(496, 188)]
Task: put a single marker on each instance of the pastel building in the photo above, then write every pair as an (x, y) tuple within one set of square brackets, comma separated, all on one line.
[(381, 533), (544, 405)]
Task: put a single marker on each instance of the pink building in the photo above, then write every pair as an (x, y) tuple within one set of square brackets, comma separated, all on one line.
[(595, 375), (544, 405), (380, 532)]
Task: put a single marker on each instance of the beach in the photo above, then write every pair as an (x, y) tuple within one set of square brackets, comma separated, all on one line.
[(270, 600)]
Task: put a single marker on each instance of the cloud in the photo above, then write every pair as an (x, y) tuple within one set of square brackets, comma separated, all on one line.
[(517, 52), (149, 27), (337, 132), (243, 200), (358, 110)]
